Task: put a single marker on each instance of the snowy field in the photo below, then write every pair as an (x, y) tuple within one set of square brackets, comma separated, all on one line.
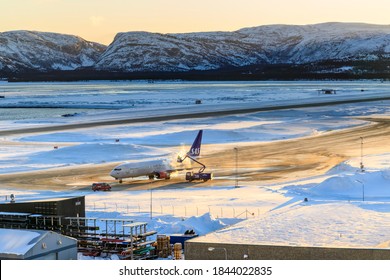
[(135, 95), (334, 215)]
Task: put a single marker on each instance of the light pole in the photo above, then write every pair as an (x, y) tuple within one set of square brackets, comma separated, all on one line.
[(224, 249), (151, 203), (362, 186), (361, 155), (236, 155)]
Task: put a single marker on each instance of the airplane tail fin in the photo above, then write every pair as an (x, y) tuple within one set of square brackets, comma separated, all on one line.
[(194, 151), (195, 148)]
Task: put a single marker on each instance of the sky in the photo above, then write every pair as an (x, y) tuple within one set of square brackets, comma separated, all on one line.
[(101, 20)]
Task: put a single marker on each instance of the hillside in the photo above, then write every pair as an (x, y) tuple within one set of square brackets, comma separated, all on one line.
[(41, 51), (327, 50), (272, 44)]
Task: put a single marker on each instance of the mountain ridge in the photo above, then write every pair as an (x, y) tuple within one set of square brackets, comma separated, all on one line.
[(41, 51), (347, 47)]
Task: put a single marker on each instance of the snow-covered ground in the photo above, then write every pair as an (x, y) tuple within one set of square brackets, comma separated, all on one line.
[(347, 208), (131, 94), (150, 140), (335, 213)]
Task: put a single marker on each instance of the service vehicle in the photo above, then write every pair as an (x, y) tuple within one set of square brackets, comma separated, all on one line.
[(191, 176), (101, 187)]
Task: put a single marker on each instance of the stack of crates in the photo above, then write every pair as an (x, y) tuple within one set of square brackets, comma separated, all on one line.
[(177, 249), (163, 246)]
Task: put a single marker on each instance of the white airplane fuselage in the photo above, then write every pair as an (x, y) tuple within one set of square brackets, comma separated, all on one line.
[(146, 168), (160, 168)]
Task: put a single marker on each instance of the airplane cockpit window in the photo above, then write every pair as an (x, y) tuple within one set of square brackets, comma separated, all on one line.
[(117, 169)]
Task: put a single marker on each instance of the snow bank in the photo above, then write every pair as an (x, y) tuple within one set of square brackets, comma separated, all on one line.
[(305, 224), (369, 185), (334, 215), (200, 224)]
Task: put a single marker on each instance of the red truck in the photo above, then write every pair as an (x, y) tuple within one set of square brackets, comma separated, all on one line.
[(101, 187)]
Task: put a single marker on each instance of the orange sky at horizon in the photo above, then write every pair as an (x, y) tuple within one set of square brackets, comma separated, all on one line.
[(101, 20)]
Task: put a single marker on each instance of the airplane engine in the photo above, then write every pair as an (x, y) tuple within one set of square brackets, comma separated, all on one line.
[(163, 175)]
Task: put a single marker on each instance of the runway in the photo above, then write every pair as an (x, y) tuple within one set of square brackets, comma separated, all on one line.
[(199, 111)]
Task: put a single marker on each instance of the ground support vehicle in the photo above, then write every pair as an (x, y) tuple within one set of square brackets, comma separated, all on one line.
[(101, 187), (191, 176)]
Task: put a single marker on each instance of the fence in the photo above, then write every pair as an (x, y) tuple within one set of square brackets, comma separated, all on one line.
[(184, 211)]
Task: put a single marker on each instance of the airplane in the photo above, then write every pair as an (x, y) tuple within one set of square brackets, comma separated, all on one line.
[(159, 169)]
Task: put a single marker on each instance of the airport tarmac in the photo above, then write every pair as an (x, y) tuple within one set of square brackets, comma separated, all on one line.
[(190, 112), (263, 163)]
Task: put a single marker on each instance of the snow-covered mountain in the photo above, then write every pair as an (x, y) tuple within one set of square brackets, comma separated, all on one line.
[(43, 51), (153, 52), (271, 44)]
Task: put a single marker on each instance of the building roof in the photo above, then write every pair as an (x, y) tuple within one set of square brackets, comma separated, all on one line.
[(49, 199), (15, 243), (19, 242), (14, 214)]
